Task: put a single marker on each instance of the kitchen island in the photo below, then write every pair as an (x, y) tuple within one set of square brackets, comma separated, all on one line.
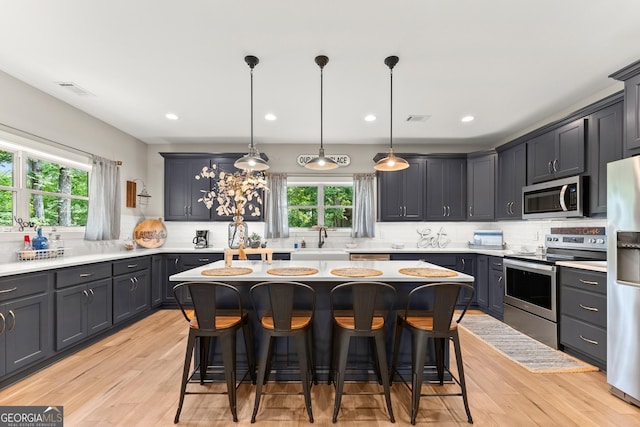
[(323, 281)]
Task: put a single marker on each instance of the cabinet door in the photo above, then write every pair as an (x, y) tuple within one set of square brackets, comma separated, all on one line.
[(467, 265), (632, 116), (482, 281), (122, 289), (605, 145), (157, 280), (481, 175), (455, 195), (171, 267), (140, 293), (27, 335), (436, 177), (100, 307), (512, 176), (71, 315), (390, 195), (182, 190), (570, 147), (541, 154), (496, 292), (519, 180)]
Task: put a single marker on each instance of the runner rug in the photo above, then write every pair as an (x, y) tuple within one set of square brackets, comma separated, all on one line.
[(522, 349)]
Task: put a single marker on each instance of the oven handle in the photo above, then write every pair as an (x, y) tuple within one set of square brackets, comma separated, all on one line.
[(528, 266), (563, 205)]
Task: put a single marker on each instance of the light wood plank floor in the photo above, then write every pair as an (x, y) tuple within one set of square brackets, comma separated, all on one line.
[(132, 379)]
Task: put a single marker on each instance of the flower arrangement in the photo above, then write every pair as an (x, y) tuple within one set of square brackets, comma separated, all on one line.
[(234, 192)]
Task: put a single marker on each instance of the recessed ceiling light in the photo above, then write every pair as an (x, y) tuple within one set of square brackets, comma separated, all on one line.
[(171, 116), (271, 117), (467, 119), (370, 118)]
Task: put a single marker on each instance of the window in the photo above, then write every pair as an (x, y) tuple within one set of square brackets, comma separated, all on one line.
[(328, 205), (42, 188)]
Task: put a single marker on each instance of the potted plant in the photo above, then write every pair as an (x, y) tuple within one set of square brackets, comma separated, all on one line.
[(254, 240)]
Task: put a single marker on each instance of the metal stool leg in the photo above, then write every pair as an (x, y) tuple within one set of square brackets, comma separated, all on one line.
[(419, 349), (305, 371), (228, 342), (463, 386), (185, 374), (384, 374), (342, 351), (262, 373)]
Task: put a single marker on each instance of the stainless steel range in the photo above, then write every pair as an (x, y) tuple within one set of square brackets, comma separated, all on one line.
[(531, 289)]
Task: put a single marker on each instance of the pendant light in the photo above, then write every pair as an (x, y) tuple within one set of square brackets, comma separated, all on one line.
[(391, 162), (252, 160), (321, 162)]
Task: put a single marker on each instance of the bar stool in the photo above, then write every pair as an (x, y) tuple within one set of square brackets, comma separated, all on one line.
[(285, 309), (438, 323), (208, 320), (359, 309)]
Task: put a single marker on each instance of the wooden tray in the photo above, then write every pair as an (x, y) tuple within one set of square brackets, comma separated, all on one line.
[(355, 272), (292, 271), (427, 272), (227, 271)]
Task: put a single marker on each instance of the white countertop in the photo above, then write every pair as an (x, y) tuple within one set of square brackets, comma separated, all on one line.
[(389, 270), (600, 266)]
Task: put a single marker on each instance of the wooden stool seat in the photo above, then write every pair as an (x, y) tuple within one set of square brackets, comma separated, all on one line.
[(426, 323), (350, 322)]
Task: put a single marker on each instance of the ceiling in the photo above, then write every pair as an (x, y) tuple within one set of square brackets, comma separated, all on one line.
[(510, 64)]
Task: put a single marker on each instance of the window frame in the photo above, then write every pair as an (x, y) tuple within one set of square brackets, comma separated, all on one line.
[(320, 207)]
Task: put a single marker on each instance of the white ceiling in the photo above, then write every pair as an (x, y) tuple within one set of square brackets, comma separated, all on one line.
[(509, 63)]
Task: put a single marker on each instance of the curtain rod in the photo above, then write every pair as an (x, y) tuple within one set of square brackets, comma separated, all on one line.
[(23, 133)]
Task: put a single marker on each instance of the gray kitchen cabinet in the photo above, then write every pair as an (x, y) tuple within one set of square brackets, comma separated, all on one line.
[(81, 311), (482, 281), (131, 295), (583, 314), (25, 336), (557, 154), (446, 189), (177, 263), (481, 187), (496, 288), (401, 193), (605, 145), (157, 280), (512, 176), (466, 263), (630, 75)]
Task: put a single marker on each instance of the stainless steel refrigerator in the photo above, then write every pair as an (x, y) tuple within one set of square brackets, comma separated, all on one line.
[(623, 278)]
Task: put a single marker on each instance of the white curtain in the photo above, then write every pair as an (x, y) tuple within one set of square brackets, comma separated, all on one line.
[(276, 213), (364, 216), (103, 219)]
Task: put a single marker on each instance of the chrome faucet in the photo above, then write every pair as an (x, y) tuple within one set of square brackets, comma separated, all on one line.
[(320, 238)]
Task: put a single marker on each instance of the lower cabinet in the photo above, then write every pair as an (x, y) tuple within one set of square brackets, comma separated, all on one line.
[(177, 263), (25, 303), (130, 295), (490, 285), (82, 311), (583, 314), (157, 280)]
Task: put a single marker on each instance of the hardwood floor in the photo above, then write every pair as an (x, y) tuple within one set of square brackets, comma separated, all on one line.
[(132, 379)]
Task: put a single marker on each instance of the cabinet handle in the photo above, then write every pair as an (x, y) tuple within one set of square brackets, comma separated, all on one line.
[(184, 209), (470, 210), (589, 282), (132, 265), (400, 209), (464, 263), (92, 295), (131, 286), (4, 323), (555, 165), (497, 264), (86, 275), (6, 291), (549, 166), (86, 294), (509, 210), (176, 262), (405, 210), (203, 259), (13, 326), (594, 342), (588, 308), (448, 210)]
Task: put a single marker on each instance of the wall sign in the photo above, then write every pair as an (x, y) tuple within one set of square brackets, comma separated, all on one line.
[(340, 159)]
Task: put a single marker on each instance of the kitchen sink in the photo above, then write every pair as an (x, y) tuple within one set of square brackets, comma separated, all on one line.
[(320, 254)]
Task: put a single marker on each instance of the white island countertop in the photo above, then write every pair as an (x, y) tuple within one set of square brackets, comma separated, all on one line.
[(389, 269)]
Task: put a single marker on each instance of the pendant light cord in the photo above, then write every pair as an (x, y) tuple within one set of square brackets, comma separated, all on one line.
[(321, 92), (251, 108), (391, 112)]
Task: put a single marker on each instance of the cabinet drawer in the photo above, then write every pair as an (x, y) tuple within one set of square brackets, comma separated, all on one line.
[(196, 260), (584, 337), (589, 280), (130, 265), (587, 306), (83, 274), (22, 285), (495, 263)]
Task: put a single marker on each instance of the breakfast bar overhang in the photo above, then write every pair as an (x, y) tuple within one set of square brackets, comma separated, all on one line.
[(322, 282)]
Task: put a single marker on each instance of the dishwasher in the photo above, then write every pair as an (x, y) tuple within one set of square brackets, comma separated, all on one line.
[(369, 257)]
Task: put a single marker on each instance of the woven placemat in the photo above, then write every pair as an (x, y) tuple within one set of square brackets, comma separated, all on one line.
[(292, 271), (227, 271), (355, 272), (427, 272)]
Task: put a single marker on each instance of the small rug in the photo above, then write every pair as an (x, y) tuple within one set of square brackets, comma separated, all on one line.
[(522, 349)]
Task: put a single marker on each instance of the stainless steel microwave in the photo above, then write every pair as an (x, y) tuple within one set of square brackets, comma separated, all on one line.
[(562, 198)]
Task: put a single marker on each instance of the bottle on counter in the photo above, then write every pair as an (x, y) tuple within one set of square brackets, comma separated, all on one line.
[(26, 246), (303, 244), (40, 242)]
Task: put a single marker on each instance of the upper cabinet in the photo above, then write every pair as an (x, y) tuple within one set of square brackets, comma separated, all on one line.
[(182, 190), (557, 154), (512, 176), (401, 193), (446, 189), (481, 172), (605, 145), (630, 75)]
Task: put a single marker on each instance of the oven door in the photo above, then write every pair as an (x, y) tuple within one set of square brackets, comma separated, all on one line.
[(531, 287)]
